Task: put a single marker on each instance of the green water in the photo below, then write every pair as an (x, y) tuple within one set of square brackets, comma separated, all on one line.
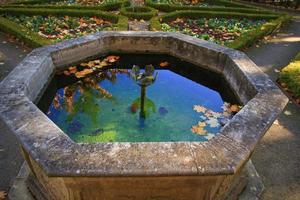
[(105, 107)]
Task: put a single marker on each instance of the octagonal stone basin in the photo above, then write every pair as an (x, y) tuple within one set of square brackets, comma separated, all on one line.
[(137, 170)]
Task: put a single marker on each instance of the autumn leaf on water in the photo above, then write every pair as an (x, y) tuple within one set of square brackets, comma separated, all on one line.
[(83, 73), (198, 130), (91, 64), (73, 69), (213, 122), (164, 64), (198, 108), (67, 73), (3, 195), (112, 58)]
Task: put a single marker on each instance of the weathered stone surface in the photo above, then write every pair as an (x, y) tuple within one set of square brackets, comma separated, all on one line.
[(51, 154)]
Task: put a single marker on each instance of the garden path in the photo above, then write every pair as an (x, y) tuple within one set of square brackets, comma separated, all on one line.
[(277, 157), (10, 156)]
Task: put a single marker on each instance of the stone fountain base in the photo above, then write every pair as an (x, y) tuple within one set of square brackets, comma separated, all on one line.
[(248, 186)]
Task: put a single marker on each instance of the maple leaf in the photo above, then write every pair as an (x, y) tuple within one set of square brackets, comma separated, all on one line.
[(234, 108), (163, 64), (112, 58), (91, 64), (198, 130), (73, 69), (67, 73), (198, 108), (213, 122), (3, 195), (83, 73)]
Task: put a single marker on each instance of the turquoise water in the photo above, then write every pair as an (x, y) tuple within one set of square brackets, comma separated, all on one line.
[(105, 107)]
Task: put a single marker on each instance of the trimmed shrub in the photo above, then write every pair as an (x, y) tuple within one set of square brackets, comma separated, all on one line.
[(219, 7), (29, 37), (155, 25), (193, 14), (59, 12), (104, 7), (122, 24), (248, 38), (138, 12)]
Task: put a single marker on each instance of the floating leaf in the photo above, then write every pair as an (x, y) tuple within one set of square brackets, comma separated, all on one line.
[(198, 130), (83, 73), (67, 73), (164, 64), (73, 69), (112, 58), (213, 122), (199, 109)]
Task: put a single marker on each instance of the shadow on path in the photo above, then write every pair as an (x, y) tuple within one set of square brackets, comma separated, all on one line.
[(277, 157), (10, 156)]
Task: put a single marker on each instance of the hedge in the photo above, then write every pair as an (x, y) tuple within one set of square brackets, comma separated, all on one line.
[(290, 76), (172, 7), (122, 24), (194, 14), (24, 34), (32, 2), (248, 38), (140, 12), (104, 7), (155, 24), (59, 12)]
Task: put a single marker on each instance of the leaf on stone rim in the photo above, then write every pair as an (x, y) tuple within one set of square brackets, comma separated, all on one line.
[(3, 195)]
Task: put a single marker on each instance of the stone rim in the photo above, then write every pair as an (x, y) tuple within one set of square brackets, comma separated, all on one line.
[(58, 155)]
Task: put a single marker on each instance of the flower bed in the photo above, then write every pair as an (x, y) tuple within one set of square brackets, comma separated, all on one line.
[(60, 28), (219, 30)]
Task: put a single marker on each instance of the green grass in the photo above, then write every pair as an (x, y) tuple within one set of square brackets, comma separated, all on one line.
[(290, 76)]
